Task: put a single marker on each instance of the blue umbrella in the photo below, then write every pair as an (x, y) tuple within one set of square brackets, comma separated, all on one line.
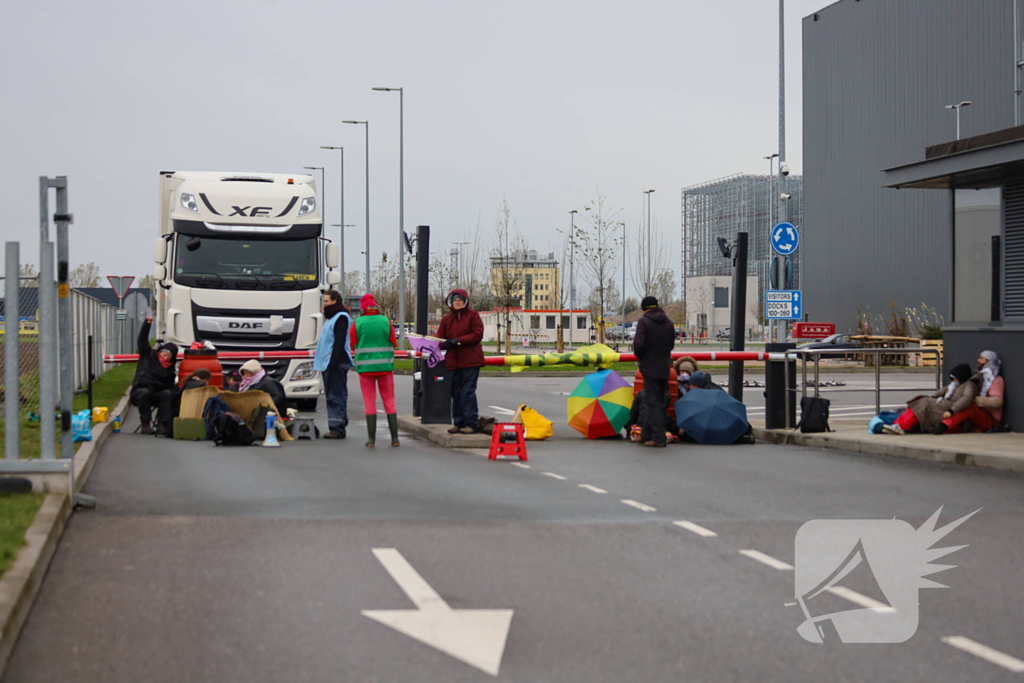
[(711, 416)]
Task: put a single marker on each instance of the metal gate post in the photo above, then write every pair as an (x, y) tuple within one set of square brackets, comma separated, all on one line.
[(47, 354), (67, 372), (12, 370), (878, 383)]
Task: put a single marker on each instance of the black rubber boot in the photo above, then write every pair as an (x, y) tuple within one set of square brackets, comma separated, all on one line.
[(393, 426), (371, 430)]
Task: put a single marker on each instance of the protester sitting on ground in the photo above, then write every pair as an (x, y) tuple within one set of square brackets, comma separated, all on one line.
[(930, 413), (153, 384), (232, 379), (987, 410), (702, 380), (684, 367), (255, 378)]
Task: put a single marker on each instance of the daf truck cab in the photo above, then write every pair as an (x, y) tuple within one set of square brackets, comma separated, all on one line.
[(242, 263)]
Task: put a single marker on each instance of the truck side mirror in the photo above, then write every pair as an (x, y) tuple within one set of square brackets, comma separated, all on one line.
[(160, 273), (332, 256), (333, 278), (160, 252)]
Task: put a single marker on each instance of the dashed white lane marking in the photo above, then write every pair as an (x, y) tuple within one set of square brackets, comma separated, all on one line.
[(638, 506), (504, 411), (766, 559), (696, 528), (519, 464), (592, 488), (985, 652), (862, 600), (559, 477)]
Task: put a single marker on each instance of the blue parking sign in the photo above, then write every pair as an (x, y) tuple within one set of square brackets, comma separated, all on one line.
[(785, 238), (783, 304)]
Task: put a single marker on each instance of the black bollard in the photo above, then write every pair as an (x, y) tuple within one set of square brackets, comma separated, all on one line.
[(739, 308), (422, 292)]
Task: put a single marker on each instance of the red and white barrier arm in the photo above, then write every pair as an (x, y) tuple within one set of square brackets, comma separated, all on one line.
[(488, 360)]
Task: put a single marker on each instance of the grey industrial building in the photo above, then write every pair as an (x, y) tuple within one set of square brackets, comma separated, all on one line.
[(894, 206)]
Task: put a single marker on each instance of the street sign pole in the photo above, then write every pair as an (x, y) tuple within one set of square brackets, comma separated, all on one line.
[(120, 285)]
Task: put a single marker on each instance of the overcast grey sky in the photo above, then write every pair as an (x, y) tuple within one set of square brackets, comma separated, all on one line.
[(542, 103)]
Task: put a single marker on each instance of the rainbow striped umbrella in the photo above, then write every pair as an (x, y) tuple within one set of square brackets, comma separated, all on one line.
[(599, 406)]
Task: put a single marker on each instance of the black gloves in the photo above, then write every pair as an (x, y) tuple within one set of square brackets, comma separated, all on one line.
[(449, 344)]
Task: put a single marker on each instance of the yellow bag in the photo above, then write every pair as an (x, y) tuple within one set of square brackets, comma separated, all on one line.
[(99, 414), (537, 426)]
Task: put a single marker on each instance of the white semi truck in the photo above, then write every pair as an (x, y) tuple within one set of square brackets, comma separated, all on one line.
[(242, 263)]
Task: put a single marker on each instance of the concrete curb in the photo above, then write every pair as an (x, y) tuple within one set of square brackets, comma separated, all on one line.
[(21, 583), (439, 434), (943, 455)]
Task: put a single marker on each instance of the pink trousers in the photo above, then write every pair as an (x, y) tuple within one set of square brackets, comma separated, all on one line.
[(368, 384)]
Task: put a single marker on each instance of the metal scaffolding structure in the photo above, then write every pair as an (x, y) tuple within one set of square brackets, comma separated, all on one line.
[(724, 207)]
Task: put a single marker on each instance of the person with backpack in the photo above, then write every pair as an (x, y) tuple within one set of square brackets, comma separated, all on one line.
[(462, 330), (373, 341), (153, 384), (333, 359), (653, 344), (255, 378)]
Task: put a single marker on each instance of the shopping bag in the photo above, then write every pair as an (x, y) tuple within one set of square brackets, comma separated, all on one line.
[(81, 425), (536, 425)]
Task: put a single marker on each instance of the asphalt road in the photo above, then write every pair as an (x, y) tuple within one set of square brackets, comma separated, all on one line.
[(253, 564)]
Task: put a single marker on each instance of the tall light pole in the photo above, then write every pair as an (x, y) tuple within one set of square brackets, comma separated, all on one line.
[(572, 273), (782, 115), (459, 246), (341, 241), (367, 219), (623, 224), (323, 210), (650, 262), (768, 273), (401, 211), (958, 107)]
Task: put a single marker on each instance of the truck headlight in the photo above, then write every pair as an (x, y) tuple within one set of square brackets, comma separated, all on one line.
[(188, 201), (303, 371), (308, 205)]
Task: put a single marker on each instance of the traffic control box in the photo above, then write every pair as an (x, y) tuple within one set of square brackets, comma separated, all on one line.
[(508, 438)]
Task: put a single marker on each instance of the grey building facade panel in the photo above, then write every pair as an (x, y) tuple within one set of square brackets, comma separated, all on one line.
[(877, 75)]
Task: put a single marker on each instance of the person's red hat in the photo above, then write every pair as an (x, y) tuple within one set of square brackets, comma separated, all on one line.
[(367, 302)]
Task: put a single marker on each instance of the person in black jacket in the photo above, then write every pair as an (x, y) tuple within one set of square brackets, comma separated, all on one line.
[(153, 384), (254, 377), (653, 344)]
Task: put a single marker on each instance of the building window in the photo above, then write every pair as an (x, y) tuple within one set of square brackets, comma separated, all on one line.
[(977, 220), (581, 322), (565, 322), (534, 322), (550, 322), (721, 297)]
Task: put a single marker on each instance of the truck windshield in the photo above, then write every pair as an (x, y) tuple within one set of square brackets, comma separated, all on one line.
[(215, 263)]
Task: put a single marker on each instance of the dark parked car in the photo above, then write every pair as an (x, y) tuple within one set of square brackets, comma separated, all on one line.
[(836, 341)]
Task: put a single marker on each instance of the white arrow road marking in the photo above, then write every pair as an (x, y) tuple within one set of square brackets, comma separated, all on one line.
[(474, 636)]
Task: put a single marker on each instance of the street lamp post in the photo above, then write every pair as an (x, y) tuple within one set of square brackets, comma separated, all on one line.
[(572, 273), (323, 210), (958, 107), (623, 321), (650, 263), (367, 219), (771, 223), (401, 211), (341, 242)]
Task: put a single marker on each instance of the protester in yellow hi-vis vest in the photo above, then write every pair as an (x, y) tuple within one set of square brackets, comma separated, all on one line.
[(373, 340)]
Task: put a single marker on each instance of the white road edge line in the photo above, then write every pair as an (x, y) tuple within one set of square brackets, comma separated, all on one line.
[(592, 488), (505, 411), (559, 477), (696, 528), (862, 600), (638, 506), (767, 559), (985, 652)]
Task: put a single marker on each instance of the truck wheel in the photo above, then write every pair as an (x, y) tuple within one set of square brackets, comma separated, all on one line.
[(306, 405)]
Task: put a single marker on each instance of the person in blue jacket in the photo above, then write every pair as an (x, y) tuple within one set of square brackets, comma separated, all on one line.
[(333, 359)]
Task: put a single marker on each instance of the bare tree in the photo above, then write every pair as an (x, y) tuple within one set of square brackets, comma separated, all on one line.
[(699, 298), (664, 288), (355, 282), (384, 280), (563, 290), (442, 275), (651, 258), (85, 275), (598, 248), (508, 274)]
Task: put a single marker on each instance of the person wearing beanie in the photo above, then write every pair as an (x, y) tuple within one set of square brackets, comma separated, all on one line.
[(930, 414), (373, 341), (653, 344), (333, 359), (255, 378), (462, 330), (153, 384)]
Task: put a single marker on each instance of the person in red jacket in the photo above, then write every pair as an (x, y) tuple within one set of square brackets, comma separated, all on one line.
[(462, 331)]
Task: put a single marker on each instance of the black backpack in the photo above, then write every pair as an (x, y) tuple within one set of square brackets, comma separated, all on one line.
[(814, 414), (230, 430)]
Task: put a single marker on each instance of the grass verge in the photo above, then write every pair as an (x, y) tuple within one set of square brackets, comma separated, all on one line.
[(16, 514), (106, 391)]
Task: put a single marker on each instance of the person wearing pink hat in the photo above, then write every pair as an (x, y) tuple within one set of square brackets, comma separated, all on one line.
[(374, 343)]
